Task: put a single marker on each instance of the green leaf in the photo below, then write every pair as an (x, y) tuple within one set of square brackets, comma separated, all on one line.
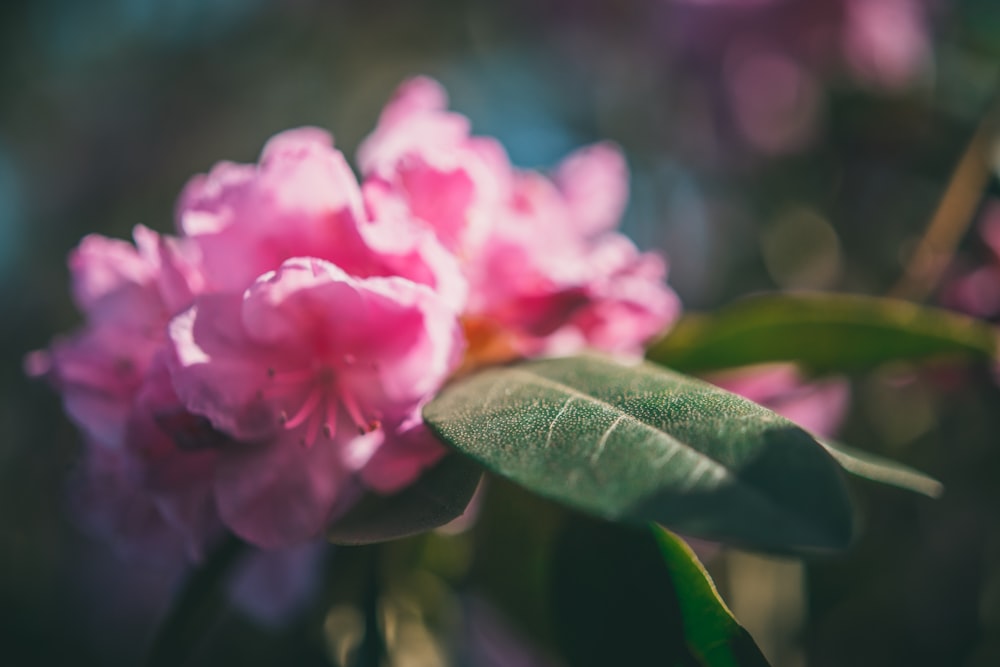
[(625, 595), (823, 332), (440, 495), (885, 471), (642, 443), (710, 629)]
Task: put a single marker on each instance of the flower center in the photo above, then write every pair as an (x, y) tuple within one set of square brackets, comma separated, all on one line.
[(325, 394)]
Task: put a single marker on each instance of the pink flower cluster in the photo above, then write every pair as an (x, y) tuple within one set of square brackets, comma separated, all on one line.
[(266, 367)]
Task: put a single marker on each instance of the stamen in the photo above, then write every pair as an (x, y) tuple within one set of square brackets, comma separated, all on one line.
[(307, 408), (351, 405), (312, 430), (373, 425)]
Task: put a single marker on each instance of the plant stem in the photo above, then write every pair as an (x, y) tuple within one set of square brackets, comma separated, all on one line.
[(954, 213), (195, 608), (372, 649)]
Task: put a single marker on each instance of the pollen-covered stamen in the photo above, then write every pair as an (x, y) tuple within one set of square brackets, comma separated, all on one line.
[(311, 430), (311, 403), (325, 396), (350, 404)]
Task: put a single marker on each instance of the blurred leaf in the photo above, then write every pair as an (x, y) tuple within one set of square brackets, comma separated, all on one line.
[(513, 538), (643, 443), (710, 630), (440, 495), (637, 596), (613, 601), (823, 332), (878, 469)]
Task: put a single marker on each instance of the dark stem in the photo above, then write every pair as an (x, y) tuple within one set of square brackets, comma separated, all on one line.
[(196, 607), (372, 650)]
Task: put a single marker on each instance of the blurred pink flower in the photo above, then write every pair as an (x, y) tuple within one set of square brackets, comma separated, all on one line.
[(887, 42), (138, 482), (766, 64), (267, 367), (976, 290)]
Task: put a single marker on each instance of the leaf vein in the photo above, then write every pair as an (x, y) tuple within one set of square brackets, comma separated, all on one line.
[(552, 426), (599, 449)]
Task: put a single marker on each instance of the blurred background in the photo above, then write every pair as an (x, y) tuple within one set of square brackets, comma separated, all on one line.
[(774, 144)]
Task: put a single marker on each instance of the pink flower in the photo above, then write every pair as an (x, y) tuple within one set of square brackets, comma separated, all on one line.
[(268, 367), (311, 371)]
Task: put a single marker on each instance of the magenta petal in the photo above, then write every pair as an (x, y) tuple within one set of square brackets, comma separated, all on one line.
[(301, 171), (404, 456), (98, 372), (112, 500), (302, 200), (216, 370), (279, 494), (407, 248), (594, 183), (178, 274), (112, 283), (414, 121)]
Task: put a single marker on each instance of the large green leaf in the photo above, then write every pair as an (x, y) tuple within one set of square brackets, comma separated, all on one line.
[(643, 443), (440, 495), (624, 595), (823, 332)]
